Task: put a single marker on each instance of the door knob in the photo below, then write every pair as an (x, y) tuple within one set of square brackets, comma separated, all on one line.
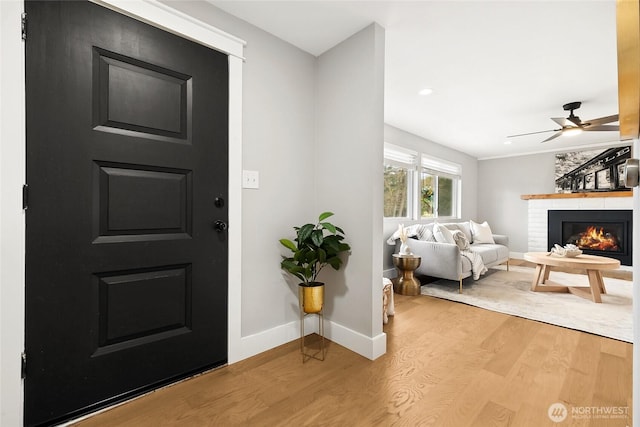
[(219, 225)]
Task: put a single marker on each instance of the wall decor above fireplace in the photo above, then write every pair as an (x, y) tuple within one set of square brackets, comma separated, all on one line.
[(597, 232), (592, 170)]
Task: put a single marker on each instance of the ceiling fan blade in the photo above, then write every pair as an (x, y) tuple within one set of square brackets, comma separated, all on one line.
[(534, 133), (601, 128), (603, 120), (561, 121), (554, 136)]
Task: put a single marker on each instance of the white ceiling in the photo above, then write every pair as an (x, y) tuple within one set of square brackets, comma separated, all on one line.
[(497, 68)]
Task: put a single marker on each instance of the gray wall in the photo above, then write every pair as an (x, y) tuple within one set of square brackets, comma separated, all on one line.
[(349, 152), (278, 141), (308, 124), (469, 164), (502, 182)]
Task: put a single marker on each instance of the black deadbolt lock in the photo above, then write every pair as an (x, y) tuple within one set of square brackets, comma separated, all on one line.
[(219, 202), (219, 225)]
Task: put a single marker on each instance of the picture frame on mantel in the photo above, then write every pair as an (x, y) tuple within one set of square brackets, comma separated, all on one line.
[(591, 170)]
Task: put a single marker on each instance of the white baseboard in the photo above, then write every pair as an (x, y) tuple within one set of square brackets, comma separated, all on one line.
[(271, 338), (371, 348), (378, 346)]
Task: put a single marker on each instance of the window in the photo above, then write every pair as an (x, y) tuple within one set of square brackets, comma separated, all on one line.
[(412, 190), (439, 188), (399, 171)]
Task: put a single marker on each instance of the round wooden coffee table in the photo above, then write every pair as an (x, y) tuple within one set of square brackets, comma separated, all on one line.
[(591, 263)]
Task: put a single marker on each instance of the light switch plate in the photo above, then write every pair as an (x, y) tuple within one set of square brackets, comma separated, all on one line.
[(250, 179)]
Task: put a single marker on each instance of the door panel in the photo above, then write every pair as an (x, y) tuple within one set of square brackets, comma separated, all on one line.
[(135, 202), (127, 317), (127, 136), (130, 95)]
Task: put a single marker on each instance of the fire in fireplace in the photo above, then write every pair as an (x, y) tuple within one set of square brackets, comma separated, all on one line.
[(597, 232), (596, 239)]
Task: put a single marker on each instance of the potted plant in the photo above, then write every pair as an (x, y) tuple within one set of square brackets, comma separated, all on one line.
[(314, 247)]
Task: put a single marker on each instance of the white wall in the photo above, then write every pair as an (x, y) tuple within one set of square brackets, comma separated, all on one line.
[(501, 182), (12, 176), (349, 153), (469, 164)]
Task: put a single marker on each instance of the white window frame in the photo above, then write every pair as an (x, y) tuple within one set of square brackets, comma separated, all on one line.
[(445, 169), (417, 163), (408, 159)]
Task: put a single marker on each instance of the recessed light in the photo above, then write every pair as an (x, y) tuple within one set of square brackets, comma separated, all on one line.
[(426, 91), (507, 142)]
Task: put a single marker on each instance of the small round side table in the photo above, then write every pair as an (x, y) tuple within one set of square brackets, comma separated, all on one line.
[(405, 283)]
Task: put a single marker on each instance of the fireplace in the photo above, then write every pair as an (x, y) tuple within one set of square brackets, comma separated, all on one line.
[(597, 232)]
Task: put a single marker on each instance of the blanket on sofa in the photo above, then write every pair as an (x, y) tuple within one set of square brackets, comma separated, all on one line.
[(477, 265)]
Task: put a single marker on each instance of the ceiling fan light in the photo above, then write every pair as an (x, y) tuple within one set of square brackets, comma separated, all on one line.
[(573, 131)]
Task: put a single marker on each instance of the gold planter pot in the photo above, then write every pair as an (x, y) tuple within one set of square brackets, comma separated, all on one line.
[(311, 297)]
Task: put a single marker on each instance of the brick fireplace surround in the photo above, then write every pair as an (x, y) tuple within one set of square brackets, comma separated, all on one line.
[(540, 204)]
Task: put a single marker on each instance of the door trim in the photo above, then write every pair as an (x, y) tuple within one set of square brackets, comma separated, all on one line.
[(13, 172), (165, 17), (636, 291)]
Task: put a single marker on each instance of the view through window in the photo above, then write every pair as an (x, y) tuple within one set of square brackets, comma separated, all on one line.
[(434, 192), (396, 181), (399, 170)]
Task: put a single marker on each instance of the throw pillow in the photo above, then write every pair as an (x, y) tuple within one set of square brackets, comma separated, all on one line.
[(424, 233), (461, 240), (443, 234), (481, 232)]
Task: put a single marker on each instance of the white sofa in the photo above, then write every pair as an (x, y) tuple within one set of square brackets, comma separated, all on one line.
[(444, 260)]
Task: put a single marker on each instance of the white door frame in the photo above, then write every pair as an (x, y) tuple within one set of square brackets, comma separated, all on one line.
[(13, 175), (636, 293)]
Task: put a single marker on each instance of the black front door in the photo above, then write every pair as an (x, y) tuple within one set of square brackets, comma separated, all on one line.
[(127, 133)]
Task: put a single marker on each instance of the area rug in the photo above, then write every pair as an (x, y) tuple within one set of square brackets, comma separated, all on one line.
[(510, 292)]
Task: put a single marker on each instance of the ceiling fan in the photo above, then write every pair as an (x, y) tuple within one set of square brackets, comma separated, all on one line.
[(573, 125)]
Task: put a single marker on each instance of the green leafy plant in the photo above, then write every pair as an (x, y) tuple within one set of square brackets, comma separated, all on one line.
[(427, 200), (315, 247)]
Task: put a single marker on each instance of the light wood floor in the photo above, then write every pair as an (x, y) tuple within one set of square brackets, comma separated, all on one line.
[(447, 364)]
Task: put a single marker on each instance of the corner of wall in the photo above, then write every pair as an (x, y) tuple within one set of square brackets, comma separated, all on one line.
[(349, 146)]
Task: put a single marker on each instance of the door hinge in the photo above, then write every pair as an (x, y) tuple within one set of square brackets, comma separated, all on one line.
[(23, 365), (23, 26), (25, 197)]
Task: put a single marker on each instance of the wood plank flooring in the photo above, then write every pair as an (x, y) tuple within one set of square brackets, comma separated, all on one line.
[(447, 364)]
